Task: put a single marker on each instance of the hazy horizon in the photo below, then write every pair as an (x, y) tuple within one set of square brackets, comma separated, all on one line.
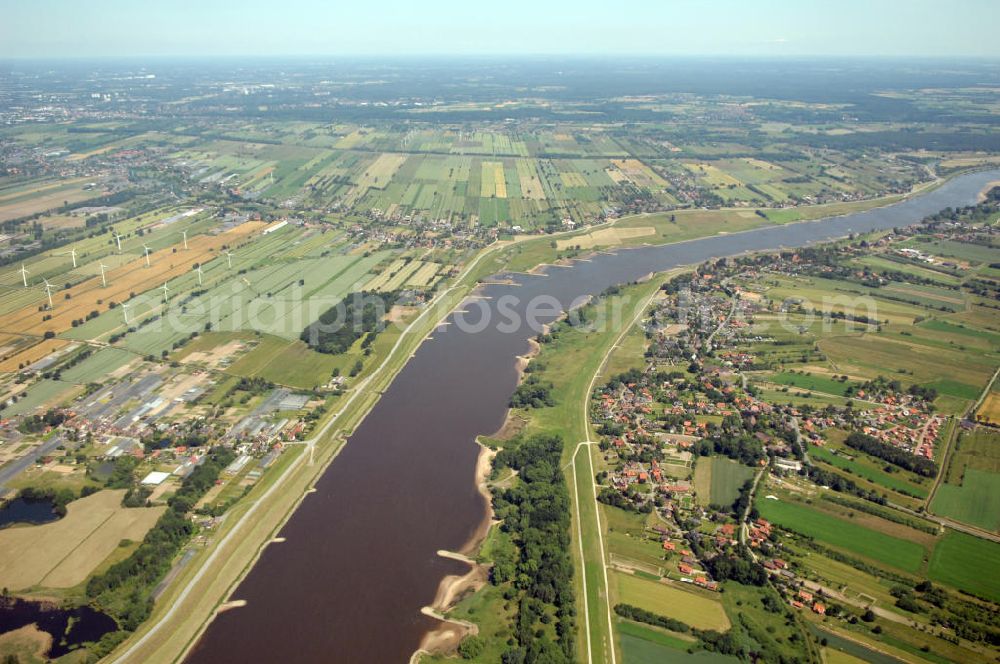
[(60, 29)]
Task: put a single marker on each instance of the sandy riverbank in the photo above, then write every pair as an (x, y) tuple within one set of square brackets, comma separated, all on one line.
[(454, 587), (989, 185)]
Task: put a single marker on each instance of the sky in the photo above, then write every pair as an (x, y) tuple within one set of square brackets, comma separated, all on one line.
[(77, 28)]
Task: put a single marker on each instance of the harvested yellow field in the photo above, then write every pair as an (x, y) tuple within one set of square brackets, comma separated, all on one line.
[(500, 182), (350, 140), (573, 179), (380, 279), (258, 175), (989, 411), (616, 175), (132, 277), (833, 656), (79, 156), (713, 175), (27, 354), (63, 221), (64, 553), (605, 237), (378, 175), (493, 182), (424, 275), (41, 187), (28, 644), (639, 173), (398, 279), (527, 176), (46, 200), (761, 164), (975, 160)]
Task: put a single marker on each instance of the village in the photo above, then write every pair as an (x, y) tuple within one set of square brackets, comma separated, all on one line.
[(156, 424), (699, 398)]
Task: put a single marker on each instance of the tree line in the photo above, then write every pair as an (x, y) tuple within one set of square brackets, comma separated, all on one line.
[(535, 512)]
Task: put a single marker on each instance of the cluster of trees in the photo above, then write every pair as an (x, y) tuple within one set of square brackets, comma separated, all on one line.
[(532, 393), (743, 448), (337, 328), (842, 484), (38, 423), (58, 497), (254, 385), (70, 363), (981, 287), (883, 385), (641, 615), (744, 499), (633, 501), (159, 439), (897, 457), (639, 377), (740, 568), (124, 589), (535, 512), (122, 469)]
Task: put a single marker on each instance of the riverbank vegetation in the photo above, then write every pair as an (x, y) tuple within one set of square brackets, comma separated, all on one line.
[(535, 512)]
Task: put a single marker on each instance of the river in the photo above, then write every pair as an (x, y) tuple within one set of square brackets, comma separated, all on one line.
[(359, 560)]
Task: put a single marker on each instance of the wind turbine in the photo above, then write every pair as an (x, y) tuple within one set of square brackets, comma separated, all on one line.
[(48, 291), (125, 307), (118, 239), (104, 281), (229, 259), (147, 255), (72, 252), (198, 270), (24, 274), (185, 234), (165, 289)]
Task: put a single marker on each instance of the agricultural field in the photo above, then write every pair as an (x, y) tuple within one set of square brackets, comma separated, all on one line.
[(24, 201), (287, 363), (697, 609), (62, 554), (873, 544), (645, 646), (718, 480), (970, 492), (968, 563), (100, 364), (45, 393), (864, 467), (916, 339)]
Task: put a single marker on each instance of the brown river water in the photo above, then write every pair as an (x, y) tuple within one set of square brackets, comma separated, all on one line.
[(360, 557)]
